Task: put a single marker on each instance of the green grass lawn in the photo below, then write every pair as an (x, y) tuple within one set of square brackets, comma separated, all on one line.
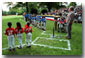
[(76, 41)]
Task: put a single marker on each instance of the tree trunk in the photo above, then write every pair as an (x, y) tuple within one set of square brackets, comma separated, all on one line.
[(49, 8), (27, 7)]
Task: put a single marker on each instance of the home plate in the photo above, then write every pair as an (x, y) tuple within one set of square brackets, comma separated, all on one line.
[(52, 43)]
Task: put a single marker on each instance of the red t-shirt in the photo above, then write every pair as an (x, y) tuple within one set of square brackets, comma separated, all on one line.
[(65, 20), (19, 31), (28, 29), (9, 31), (25, 25), (60, 22)]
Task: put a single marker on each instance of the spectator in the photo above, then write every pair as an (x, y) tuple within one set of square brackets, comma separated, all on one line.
[(69, 20)]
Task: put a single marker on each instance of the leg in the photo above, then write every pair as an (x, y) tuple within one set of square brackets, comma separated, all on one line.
[(39, 24), (30, 38), (69, 31), (26, 19), (58, 27), (44, 25), (70, 26), (20, 39), (13, 41), (34, 22), (9, 42), (26, 39)]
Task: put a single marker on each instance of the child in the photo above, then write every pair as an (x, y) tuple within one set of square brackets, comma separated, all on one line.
[(43, 20), (19, 31), (28, 31), (60, 22), (10, 36), (34, 21), (26, 17), (38, 18)]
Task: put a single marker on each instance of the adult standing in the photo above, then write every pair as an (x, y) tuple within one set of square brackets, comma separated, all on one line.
[(69, 20)]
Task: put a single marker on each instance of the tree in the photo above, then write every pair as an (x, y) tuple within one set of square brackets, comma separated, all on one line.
[(72, 4), (38, 6), (27, 7), (4, 12), (19, 5), (9, 3), (51, 5)]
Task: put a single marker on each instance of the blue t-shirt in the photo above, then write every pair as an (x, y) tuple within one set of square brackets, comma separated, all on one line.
[(43, 19), (33, 18), (38, 18), (63, 20), (28, 16)]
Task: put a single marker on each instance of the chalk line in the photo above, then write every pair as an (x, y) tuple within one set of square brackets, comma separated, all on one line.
[(69, 48), (43, 33)]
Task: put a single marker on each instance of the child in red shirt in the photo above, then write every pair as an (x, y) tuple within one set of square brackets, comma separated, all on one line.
[(28, 32), (19, 30), (10, 36)]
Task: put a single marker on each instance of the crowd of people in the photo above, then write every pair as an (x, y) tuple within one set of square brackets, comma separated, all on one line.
[(36, 20)]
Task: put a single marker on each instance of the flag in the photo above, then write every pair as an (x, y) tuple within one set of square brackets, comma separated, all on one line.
[(50, 18)]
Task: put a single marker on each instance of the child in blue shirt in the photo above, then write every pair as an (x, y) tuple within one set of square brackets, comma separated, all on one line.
[(43, 20)]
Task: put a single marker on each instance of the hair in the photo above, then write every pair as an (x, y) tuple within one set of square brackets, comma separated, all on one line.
[(60, 14), (71, 8), (9, 24), (18, 25), (43, 16), (28, 23)]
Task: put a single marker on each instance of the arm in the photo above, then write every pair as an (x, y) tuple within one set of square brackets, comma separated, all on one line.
[(22, 30), (14, 32), (5, 32), (68, 19)]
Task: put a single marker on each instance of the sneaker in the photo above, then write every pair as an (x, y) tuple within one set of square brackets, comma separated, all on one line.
[(44, 29), (19, 47), (10, 50), (67, 37), (28, 46), (13, 49)]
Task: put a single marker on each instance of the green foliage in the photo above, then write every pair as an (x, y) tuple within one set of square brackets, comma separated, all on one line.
[(72, 4), (21, 7), (4, 13), (32, 5), (51, 5)]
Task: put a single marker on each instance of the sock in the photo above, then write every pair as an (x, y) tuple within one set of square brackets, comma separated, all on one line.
[(9, 47), (27, 44)]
